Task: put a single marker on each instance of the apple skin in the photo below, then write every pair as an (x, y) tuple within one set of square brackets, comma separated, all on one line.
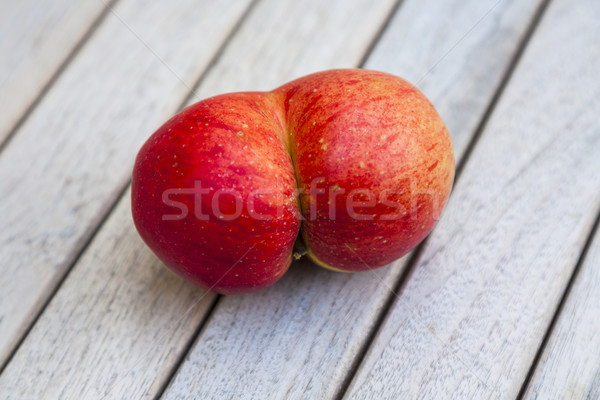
[(359, 159), (369, 130), (225, 142)]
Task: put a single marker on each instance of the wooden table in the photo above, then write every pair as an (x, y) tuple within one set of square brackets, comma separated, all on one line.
[(501, 301)]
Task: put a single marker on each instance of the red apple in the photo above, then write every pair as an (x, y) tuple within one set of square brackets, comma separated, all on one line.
[(357, 161)]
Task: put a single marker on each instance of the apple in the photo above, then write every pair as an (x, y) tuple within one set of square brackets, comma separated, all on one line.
[(353, 165)]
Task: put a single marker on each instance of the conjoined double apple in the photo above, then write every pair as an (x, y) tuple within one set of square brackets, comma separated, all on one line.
[(356, 165)]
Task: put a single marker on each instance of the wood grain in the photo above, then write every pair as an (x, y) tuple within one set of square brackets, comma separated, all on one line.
[(72, 157), (259, 59), (299, 338), (119, 323), (570, 364), (456, 57), (115, 329), (35, 40), (474, 312)]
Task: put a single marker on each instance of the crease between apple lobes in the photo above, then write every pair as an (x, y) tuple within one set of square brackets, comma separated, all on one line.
[(359, 159)]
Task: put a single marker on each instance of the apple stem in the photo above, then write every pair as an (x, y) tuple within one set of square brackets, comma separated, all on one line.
[(299, 248)]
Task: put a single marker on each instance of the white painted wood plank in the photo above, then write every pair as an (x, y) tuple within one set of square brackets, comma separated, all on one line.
[(74, 154), (113, 328), (36, 37), (456, 57), (474, 312), (299, 338), (570, 364), (330, 36)]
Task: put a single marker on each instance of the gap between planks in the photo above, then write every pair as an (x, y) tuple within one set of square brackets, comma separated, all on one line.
[(559, 309), (384, 26), (578, 246), (412, 263)]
